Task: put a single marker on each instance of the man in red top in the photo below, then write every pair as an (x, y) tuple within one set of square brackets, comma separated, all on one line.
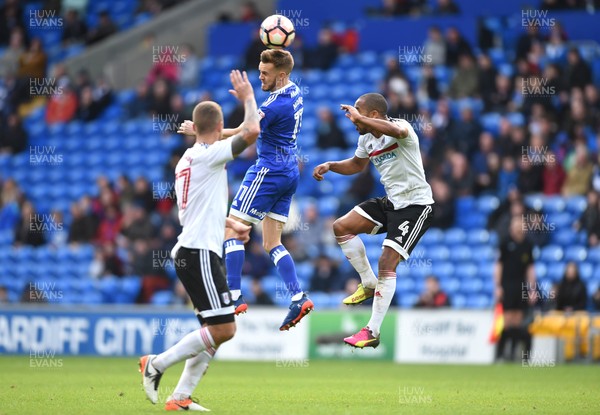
[(433, 296)]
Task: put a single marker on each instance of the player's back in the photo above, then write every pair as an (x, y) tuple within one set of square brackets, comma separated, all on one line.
[(201, 188), (281, 120)]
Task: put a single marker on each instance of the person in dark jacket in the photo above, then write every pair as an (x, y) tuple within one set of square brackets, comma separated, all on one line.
[(572, 292)]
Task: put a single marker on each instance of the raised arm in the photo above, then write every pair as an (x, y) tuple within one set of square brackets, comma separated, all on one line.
[(375, 125), (346, 167), (250, 128)]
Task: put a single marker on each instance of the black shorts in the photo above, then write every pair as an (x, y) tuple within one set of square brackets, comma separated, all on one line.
[(203, 275), (514, 297), (404, 226)]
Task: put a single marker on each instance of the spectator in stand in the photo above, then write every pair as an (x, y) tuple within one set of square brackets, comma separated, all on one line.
[(395, 81), (32, 63), (329, 134), (250, 12), (482, 163), (553, 175), (9, 61), (596, 299), (106, 262), (58, 235), (446, 7), (83, 225), (487, 74), (253, 51), (464, 133), (456, 45), (110, 225), (324, 55), (4, 295), (136, 224), (530, 175), (526, 41), (428, 87), (461, 179), (579, 176), (143, 195), (435, 46), (105, 28), (507, 177), (501, 96), (152, 272), (465, 82), (572, 292), (13, 137), (160, 99), (88, 108), (257, 264), (62, 107), (30, 227), (75, 29), (445, 209), (326, 277), (577, 72), (11, 17), (260, 297), (589, 221), (140, 104), (432, 296), (189, 70)]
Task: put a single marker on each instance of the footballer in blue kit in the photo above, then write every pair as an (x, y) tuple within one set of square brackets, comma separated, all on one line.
[(266, 192)]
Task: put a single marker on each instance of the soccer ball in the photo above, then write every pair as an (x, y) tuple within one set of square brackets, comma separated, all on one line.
[(277, 32)]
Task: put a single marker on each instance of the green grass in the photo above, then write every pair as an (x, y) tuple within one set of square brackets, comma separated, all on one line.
[(112, 386)]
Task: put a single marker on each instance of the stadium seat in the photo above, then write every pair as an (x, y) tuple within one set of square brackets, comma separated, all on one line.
[(454, 236), (575, 253), (551, 253)]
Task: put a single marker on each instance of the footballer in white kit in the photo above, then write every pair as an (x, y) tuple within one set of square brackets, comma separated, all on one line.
[(202, 198), (404, 214)]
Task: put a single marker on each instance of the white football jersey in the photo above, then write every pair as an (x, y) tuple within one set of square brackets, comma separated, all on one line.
[(398, 161), (201, 189)]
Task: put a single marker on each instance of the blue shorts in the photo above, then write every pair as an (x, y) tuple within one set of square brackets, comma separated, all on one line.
[(265, 193)]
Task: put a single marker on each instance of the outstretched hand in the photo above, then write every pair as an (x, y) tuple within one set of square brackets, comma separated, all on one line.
[(351, 112), (186, 128), (242, 88)]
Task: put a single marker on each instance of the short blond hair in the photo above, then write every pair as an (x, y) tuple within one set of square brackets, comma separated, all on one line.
[(206, 116)]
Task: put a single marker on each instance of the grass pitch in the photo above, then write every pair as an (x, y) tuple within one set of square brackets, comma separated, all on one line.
[(87, 385)]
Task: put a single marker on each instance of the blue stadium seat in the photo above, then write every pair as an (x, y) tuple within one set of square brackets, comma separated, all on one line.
[(471, 285), (477, 237), (404, 285), (461, 253), (439, 253), (576, 204), (407, 300), (594, 255), (480, 301), (540, 269), (586, 271), (554, 204), (162, 298), (443, 269), (555, 270), (575, 253), (465, 270), (551, 253), (455, 236), (450, 285), (564, 237), (433, 236), (458, 301)]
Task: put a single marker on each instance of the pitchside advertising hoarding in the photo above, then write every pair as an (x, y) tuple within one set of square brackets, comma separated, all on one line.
[(411, 336)]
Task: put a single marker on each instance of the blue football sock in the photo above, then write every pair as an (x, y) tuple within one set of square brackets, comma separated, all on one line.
[(234, 261), (286, 268)]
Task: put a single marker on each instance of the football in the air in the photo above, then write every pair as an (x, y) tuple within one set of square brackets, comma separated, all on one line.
[(277, 32)]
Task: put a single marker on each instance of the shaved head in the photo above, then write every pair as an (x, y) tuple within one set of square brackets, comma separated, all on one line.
[(373, 102), (207, 116)]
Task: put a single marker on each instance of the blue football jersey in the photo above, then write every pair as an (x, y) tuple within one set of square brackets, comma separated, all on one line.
[(281, 119)]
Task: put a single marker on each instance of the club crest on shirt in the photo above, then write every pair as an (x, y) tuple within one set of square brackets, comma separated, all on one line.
[(260, 113)]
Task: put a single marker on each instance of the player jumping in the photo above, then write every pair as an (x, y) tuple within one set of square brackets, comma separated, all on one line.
[(405, 212), (201, 188), (266, 192)]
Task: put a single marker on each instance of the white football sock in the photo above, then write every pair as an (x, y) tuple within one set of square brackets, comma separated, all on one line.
[(195, 368), (354, 249), (235, 294), (384, 292), (191, 345)]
